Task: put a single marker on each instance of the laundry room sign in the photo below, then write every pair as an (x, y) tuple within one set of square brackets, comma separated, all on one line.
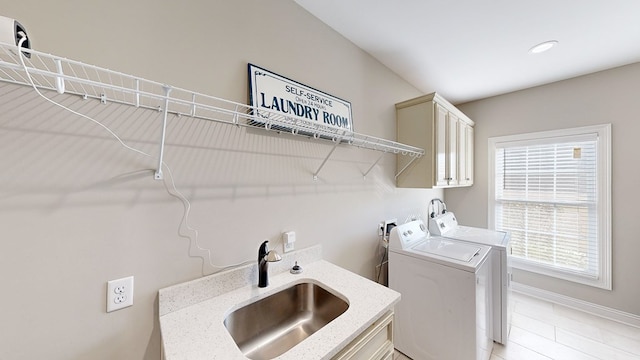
[(275, 95)]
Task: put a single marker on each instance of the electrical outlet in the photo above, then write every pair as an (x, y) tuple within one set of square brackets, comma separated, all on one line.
[(387, 227), (288, 240), (119, 293)]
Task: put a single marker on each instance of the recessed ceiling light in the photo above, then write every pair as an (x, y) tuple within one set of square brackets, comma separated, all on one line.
[(542, 47)]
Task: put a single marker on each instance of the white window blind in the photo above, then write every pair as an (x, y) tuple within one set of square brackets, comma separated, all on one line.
[(547, 194)]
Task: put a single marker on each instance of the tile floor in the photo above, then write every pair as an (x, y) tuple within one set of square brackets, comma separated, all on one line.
[(542, 331)]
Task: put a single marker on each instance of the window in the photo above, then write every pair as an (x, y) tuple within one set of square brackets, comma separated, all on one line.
[(551, 191)]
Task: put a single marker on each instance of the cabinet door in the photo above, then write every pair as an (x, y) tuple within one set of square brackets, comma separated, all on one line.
[(463, 143), (375, 343), (452, 150), (465, 154), (462, 153), (441, 158), (469, 156)]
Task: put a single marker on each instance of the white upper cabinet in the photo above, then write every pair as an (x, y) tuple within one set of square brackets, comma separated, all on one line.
[(446, 134)]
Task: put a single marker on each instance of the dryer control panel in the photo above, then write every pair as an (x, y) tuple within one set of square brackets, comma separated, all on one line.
[(442, 224), (405, 236)]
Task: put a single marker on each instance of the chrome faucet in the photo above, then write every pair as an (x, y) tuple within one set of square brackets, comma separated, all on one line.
[(264, 258)]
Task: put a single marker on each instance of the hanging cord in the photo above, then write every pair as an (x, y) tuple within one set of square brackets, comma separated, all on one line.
[(185, 222), (384, 239), (385, 250), (171, 190)]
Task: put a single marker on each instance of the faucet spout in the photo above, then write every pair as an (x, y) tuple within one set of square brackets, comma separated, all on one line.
[(264, 258)]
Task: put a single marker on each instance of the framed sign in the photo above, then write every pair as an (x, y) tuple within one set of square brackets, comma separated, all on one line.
[(278, 95)]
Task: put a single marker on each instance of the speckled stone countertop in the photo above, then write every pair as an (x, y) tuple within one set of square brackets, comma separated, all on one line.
[(196, 331)]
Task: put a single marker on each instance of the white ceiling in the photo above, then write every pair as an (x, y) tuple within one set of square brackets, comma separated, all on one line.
[(472, 49)]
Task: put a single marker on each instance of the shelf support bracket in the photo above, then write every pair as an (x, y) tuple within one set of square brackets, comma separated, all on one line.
[(315, 175), (374, 165), (406, 166), (59, 79), (159, 175), (137, 104), (193, 105)]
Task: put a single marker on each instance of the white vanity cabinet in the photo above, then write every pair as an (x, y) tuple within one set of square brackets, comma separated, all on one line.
[(446, 134), (375, 343)]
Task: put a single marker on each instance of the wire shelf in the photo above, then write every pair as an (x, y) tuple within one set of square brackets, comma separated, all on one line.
[(54, 73)]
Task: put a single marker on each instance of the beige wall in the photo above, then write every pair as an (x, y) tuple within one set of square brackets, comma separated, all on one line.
[(78, 210), (604, 97)]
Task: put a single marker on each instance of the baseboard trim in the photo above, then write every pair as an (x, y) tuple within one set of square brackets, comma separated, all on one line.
[(591, 308)]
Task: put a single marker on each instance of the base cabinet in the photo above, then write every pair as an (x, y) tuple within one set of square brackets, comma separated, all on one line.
[(432, 123), (375, 343)]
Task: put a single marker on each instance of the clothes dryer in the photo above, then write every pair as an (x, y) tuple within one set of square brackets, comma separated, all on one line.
[(446, 225)]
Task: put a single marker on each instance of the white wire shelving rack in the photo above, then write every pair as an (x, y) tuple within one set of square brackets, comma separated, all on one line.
[(62, 75)]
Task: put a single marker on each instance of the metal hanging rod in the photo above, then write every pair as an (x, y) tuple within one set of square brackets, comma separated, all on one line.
[(62, 75)]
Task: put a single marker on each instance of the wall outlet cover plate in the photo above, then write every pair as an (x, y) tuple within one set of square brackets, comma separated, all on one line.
[(119, 293)]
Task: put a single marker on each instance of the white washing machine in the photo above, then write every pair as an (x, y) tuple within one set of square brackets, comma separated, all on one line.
[(446, 225), (444, 312)]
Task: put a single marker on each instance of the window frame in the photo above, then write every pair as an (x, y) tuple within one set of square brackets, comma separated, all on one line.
[(603, 153)]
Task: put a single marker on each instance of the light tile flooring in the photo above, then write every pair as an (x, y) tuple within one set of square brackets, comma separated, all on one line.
[(541, 331)]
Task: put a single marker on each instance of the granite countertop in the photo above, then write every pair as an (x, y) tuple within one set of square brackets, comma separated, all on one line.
[(196, 331)]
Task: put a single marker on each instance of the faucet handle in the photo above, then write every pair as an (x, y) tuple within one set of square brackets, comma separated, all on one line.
[(273, 256), (266, 255)]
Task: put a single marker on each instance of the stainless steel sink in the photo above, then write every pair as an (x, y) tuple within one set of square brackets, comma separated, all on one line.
[(269, 327)]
